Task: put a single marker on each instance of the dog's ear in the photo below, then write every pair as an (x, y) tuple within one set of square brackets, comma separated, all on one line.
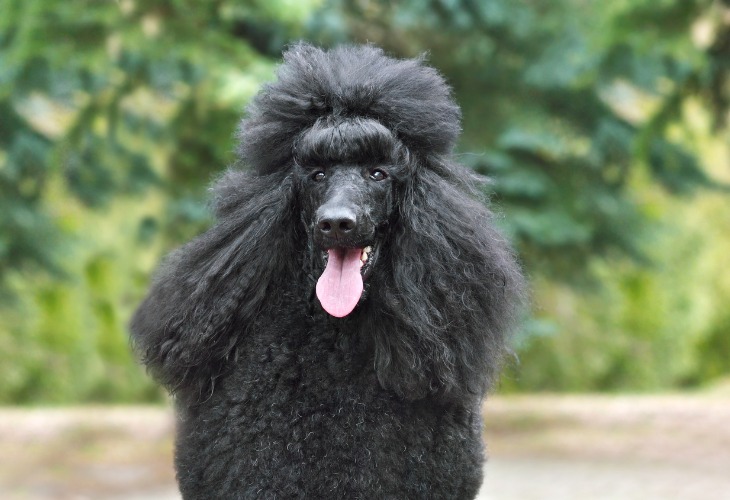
[(451, 293), (207, 293)]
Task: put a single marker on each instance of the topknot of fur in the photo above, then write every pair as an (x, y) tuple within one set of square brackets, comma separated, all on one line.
[(411, 100)]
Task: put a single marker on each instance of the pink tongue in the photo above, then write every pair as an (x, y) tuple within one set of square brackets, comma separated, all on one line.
[(340, 286)]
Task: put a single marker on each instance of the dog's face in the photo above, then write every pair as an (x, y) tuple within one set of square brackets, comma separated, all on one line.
[(347, 209), (349, 168)]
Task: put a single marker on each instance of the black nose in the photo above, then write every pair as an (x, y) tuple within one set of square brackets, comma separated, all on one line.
[(336, 222)]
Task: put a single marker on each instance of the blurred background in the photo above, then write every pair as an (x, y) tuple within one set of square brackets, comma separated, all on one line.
[(603, 126)]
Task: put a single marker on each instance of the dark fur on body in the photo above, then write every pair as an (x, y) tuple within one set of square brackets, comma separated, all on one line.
[(276, 398)]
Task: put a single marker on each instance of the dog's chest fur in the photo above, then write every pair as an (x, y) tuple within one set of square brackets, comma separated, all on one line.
[(302, 415)]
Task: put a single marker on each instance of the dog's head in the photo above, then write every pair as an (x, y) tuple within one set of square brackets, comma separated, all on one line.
[(350, 176), (346, 124), (349, 179)]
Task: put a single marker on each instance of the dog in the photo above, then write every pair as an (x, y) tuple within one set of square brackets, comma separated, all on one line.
[(335, 332)]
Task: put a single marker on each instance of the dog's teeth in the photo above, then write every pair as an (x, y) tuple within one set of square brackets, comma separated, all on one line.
[(365, 252)]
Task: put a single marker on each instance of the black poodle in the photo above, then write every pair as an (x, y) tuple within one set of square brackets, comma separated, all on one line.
[(333, 335)]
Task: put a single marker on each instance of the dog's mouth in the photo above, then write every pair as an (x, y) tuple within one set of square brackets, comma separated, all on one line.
[(340, 286)]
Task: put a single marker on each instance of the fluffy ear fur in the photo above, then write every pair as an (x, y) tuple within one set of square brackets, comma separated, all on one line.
[(209, 291), (451, 292)]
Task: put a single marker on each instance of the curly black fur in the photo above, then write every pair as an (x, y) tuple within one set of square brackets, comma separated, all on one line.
[(275, 397)]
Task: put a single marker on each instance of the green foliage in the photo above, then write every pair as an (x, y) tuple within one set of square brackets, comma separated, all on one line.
[(576, 111), (646, 327), (115, 115), (550, 95)]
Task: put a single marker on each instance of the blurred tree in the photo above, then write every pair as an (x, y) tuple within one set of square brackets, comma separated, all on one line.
[(110, 98), (578, 112), (114, 115), (563, 101)]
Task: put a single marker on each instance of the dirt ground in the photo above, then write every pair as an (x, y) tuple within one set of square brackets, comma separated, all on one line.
[(540, 447), (603, 447)]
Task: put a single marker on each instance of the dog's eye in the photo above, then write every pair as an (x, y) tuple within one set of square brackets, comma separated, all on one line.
[(378, 175), (318, 176)]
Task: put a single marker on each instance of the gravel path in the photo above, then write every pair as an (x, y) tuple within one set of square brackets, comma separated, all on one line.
[(540, 447), (603, 447)]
